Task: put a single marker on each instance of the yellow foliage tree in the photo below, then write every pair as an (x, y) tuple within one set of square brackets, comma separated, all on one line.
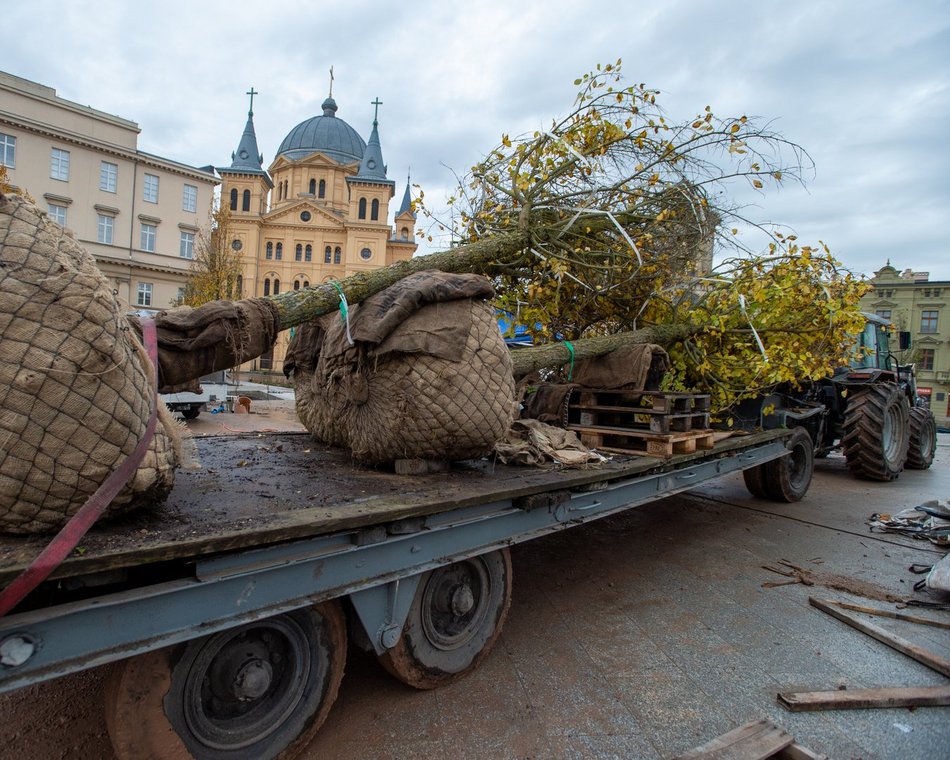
[(216, 268)]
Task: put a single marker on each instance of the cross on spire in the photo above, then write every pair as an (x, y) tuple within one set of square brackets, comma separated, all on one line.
[(331, 82), (252, 92), (376, 103)]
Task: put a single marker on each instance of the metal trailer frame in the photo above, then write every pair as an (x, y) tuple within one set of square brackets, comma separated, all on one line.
[(378, 568)]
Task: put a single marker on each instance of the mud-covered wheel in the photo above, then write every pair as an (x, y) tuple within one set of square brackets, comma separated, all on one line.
[(876, 432), (455, 618), (923, 439), (261, 690), (754, 481), (788, 478)]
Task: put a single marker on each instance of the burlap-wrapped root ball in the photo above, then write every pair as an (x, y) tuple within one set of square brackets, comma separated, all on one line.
[(428, 375), (75, 384)]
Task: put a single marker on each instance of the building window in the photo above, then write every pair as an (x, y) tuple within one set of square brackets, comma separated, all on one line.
[(269, 251), (7, 151), (144, 294), (59, 164), (884, 314), (180, 298), (186, 247), (366, 254), (57, 213), (104, 232), (306, 283), (148, 237), (108, 174), (308, 253), (327, 255), (189, 198), (927, 358), (404, 233), (267, 287), (246, 201), (298, 252), (234, 195), (362, 214), (276, 286), (374, 210), (337, 255), (928, 321), (240, 285), (150, 189), (279, 253), (313, 186), (322, 192), (296, 284), (286, 188)]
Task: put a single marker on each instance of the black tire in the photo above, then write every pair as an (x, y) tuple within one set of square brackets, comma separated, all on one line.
[(260, 690), (788, 478), (456, 617), (876, 432), (923, 439), (190, 413), (754, 482)]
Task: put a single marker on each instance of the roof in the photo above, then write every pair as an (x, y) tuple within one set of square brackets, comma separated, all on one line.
[(327, 134)]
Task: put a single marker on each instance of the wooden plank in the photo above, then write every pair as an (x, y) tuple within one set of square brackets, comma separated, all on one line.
[(889, 614), (797, 752), (923, 656), (753, 741), (853, 699)]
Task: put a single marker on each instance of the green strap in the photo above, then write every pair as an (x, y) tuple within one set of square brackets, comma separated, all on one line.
[(344, 306), (570, 348)]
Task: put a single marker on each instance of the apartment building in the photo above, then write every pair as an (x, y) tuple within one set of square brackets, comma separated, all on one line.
[(914, 302), (137, 214)]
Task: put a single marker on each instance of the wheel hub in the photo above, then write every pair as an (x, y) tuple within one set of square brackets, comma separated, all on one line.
[(462, 600), (253, 680)]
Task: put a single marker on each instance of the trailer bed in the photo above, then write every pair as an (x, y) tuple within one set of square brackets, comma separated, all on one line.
[(260, 489)]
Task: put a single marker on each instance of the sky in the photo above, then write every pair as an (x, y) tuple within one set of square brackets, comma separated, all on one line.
[(862, 86)]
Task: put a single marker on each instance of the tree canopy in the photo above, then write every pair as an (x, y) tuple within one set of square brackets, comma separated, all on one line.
[(216, 268)]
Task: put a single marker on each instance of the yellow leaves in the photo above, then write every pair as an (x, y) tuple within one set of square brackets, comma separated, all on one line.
[(505, 141), (734, 128), (777, 175), (757, 183)]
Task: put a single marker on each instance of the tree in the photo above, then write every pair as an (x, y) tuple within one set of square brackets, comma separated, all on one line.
[(216, 268)]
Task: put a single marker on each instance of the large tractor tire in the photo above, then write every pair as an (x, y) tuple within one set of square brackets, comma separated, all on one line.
[(923, 439), (876, 432)]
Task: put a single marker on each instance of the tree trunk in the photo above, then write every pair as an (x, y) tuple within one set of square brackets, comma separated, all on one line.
[(528, 360)]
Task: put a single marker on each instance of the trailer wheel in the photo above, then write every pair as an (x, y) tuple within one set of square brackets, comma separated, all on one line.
[(261, 690), (788, 478), (876, 432), (455, 618), (754, 482), (923, 439), (190, 413)]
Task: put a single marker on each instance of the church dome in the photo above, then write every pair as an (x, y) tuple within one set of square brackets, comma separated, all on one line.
[(326, 134)]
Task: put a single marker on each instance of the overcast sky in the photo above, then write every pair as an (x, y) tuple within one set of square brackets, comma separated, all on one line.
[(863, 86)]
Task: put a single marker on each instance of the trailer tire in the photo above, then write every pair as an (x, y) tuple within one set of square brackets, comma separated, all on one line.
[(190, 413), (260, 690), (788, 477), (923, 439), (754, 481), (876, 432), (455, 618)]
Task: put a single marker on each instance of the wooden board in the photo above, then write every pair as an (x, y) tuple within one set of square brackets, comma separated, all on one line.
[(852, 699), (753, 741), (624, 441)]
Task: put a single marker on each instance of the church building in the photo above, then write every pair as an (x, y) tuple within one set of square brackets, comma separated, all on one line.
[(318, 213)]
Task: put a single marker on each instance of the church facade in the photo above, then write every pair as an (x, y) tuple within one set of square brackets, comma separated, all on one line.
[(320, 212)]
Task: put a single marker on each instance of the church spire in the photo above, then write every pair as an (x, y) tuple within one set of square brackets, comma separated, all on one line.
[(406, 205), (247, 157), (372, 166)]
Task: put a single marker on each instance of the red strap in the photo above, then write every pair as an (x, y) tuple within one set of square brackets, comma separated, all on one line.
[(71, 534)]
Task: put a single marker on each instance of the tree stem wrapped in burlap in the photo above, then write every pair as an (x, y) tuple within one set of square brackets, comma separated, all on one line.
[(75, 389), (427, 375)]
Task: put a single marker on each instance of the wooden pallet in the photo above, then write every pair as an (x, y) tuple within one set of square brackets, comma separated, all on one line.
[(659, 413), (625, 441)]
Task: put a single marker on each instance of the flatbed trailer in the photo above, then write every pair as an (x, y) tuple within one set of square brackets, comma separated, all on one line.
[(231, 606)]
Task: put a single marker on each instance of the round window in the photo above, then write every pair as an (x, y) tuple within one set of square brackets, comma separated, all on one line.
[(366, 254), (371, 164), (243, 154), (304, 216), (237, 245)]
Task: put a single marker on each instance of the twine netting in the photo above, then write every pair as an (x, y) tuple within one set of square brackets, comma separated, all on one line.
[(74, 383), (412, 405)]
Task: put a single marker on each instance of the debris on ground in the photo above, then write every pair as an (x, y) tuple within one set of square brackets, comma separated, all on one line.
[(930, 520), (756, 740)]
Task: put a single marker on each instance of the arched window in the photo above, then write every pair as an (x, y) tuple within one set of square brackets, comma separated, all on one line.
[(323, 189), (296, 284), (374, 210), (308, 253), (306, 283), (404, 233), (327, 253), (234, 199), (279, 253), (267, 287), (276, 286), (337, 255), (240, 285), (362, 213), (246, 201), (313, 186), (298, 253), (286, 188), (269, 254)]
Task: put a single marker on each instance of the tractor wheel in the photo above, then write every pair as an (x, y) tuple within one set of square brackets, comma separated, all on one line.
[(923, 439), (876, 432)]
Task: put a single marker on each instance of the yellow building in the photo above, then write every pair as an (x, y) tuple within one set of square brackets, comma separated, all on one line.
[(137, 214), (319, 212), (914, 302)]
